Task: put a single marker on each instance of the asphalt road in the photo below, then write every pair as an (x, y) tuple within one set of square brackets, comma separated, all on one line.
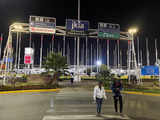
[(24, 106), (74, 104)]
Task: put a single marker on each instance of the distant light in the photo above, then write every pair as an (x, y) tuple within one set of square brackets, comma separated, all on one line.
[(133, 30), (99, 63)]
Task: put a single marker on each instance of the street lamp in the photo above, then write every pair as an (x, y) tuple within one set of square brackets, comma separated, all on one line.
[(132, 31), (99, 63)]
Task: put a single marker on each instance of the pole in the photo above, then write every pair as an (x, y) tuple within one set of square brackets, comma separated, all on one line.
[(41, 50), (86, 53), (121, 59), (68, 53), (16, 50), (58, 46), (100, 51), (115, 57), (135, 62), (33, 54), (156, 50), (74, 51), (118, 53), (52, 44), (79, 9), (1, 45), (91, 58), (138, 50), (30, 40), (97, 53), (78, 39), (64, 45), (147, 51), (50, 48), (141, 59), (108, 53), (129, 60), (19, 55), (78, 42)]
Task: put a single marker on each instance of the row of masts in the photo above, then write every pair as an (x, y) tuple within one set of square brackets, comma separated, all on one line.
[(90, 52)]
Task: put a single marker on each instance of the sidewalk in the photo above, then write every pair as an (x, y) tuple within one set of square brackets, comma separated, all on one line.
[(77, 104)]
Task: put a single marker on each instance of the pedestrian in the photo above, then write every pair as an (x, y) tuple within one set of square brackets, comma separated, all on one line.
[(71, 78), (116, 89), (98, 96)]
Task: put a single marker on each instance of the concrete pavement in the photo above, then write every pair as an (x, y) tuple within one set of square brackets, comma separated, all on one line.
[(74, 104), (77, 104)]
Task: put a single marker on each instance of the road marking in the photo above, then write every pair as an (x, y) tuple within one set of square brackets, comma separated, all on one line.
[(28, 91), (137, 93), (84, 117)]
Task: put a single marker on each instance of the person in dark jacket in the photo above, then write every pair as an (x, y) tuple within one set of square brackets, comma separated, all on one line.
[(116, 89)]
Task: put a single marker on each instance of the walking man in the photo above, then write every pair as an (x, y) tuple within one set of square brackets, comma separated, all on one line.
[(116, 89), (99, 95)]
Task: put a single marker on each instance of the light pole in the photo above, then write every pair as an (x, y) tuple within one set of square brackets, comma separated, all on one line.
[(132, 31), (41, 51), (78, 42), (158, 62)]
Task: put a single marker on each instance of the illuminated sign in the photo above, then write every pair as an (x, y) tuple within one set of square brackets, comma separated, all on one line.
[(39, 24), (108, 30), (76, 27)]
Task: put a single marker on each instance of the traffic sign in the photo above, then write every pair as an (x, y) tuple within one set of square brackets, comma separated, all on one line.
[(77, 27), (40, 24), (108, 30)]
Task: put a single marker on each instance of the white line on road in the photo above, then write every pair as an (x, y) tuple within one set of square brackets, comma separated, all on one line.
[(84, 117)]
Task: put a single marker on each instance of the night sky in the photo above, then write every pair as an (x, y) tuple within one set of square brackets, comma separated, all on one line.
[(143, 15)]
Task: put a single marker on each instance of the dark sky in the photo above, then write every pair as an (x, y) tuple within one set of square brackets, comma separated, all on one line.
[(144, 15)]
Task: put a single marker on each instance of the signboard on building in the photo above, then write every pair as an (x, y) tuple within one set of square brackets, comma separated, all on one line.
[(77, 27), (109, 31), (150, 70), (28, 57), (38, 24)]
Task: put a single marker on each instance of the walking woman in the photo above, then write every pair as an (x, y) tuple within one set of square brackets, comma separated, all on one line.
[(98, 96)]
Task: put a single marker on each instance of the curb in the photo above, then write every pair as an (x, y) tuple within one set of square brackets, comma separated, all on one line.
[(137, 93), (28, 91)]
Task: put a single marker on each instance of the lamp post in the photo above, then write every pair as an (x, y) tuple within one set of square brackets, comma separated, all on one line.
[(132, 31), (78, 42)]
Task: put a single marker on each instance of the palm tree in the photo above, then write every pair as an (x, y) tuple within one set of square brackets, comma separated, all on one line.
[(57, 63)]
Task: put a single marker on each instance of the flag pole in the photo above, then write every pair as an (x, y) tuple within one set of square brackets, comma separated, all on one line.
[(1, 44)]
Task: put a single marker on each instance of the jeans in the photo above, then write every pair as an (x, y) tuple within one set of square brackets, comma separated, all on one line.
[(99, 104), (116, 99)]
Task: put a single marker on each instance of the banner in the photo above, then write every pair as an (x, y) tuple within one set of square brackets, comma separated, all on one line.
[(150, 70), (39, 24)]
